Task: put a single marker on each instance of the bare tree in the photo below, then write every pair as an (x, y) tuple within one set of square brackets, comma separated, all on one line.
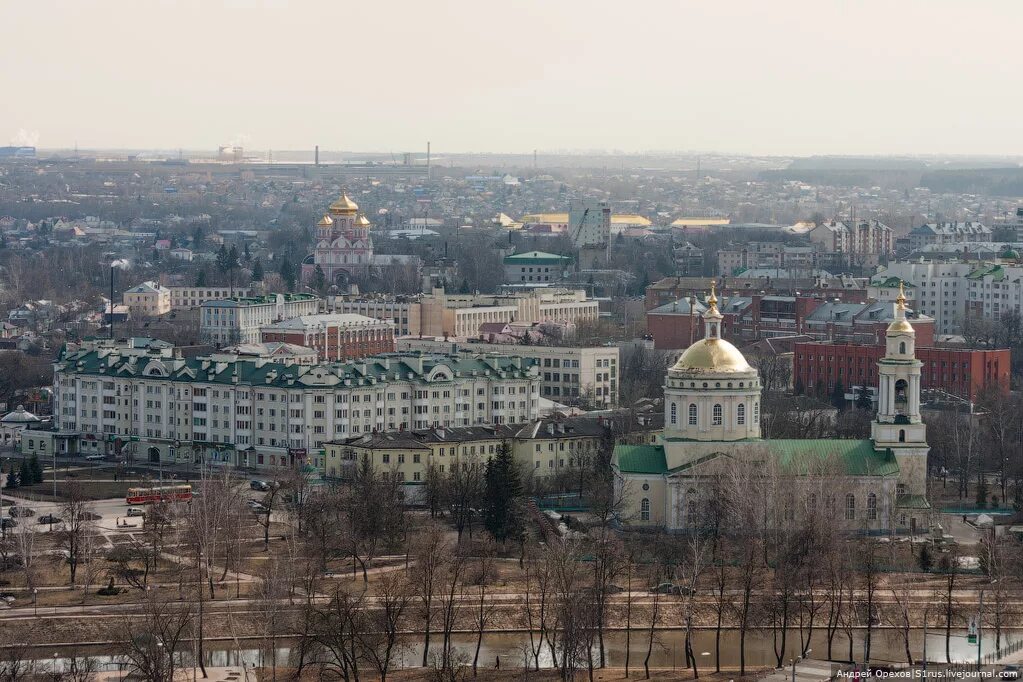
[(431, 553), (151, 640), (482, 573), (76, 526), (381, 639)]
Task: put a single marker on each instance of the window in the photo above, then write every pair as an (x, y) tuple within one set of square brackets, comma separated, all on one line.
[(850, 507), (692, 414), (740, 414), (756, 413), (902, 435), (644, 509), (674, 413), (872, 507), (717, 416), (902, 347)]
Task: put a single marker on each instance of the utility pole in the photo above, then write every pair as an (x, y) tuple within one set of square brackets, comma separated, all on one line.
[(111, 302)]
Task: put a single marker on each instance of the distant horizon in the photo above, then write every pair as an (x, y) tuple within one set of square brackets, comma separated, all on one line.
[(779, 79)]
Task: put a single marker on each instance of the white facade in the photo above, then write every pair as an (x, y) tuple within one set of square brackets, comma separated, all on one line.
[(149, 299), (223, 406), (238, 320), (182, 298), (567, 373)]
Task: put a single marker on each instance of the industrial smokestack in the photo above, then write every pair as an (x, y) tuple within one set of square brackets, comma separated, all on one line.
[(316, 156), (428, 159)]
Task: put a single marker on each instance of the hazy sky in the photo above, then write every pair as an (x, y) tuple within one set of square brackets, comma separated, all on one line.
[(757, 77)]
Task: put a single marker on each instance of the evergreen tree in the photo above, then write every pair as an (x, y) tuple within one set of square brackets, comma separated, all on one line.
[(25, 473), (36, 468), (12, 478), (838, 396), (863, 398), (982, 493), (257, 271), (925, 559), (200, 279), (287, 273), (319, 282), (502, 508)]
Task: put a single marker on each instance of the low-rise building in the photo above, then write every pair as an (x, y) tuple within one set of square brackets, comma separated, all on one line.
[(182, 298), (334, 336), (239, 319), (535, 267), (149, 299)]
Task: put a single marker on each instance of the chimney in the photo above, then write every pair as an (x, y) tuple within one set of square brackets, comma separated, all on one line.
[(316, 156)]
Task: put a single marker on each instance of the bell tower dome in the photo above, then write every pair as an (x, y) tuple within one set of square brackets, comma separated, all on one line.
[(898, 424)]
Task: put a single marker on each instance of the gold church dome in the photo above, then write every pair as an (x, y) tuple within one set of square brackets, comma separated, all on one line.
[(344, 205), (362, 220), (902, 325), (326, 221), (713, 355)]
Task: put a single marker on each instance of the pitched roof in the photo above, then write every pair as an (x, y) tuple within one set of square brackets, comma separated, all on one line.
[(641, 459), (858, 457)]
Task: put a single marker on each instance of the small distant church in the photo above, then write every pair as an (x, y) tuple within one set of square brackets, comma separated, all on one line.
[(712, 418), (344, 246)]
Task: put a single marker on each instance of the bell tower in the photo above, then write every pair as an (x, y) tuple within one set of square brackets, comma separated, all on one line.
[(898, 424)]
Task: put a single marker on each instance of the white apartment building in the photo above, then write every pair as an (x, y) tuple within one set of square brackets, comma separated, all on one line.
[(236, 320), (182, 298), (948, 233), (568, 374), (949, 292), (141, 398)]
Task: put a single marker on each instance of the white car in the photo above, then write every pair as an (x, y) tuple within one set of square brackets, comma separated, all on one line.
[(136, 511)]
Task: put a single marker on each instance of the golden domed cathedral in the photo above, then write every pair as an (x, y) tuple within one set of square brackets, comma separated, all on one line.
[(712, 423), (344, 247)]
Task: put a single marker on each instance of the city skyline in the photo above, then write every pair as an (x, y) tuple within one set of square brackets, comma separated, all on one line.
[(797, 78)]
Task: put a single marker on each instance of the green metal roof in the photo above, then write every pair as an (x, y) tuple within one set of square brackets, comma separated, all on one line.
[(641, 459), (892, 283), (996, 272), (858, 457), (912, 502)]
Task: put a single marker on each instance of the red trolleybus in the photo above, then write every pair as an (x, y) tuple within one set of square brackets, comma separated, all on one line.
[(169, 493)]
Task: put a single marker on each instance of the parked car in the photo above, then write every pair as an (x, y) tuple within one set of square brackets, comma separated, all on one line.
[(7, 523), (669, 588), (1010, 672), (94, 458), (48, 518), (21, 511), (262, 486), (136, 511)]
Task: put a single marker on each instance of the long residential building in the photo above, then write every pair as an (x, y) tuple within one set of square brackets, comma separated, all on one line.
[(152, 299), (443, 314), (568, 374), (238, 320), (948, 233), (141, 397)]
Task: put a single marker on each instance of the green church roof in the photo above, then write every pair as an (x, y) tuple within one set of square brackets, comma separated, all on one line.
[(641, 459), (858, 456)]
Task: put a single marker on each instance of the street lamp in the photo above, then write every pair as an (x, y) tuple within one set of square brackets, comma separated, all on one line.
[(793, 661), (35, 596)]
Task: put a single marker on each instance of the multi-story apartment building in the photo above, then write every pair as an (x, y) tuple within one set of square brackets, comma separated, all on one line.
[(443, 314), (149, 299), (568, 374), (238, 320), (182, 298), (535, 267), (756, 255), (335, 336), (957, 371), (143, 399), (930, 234), (864, 242), (542, 448), (951, 291), (670, 289)]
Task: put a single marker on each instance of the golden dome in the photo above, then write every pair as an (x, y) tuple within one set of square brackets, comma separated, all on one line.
[(902, 325), (344, 205), (713, 355), (326, 221), (362, 221)]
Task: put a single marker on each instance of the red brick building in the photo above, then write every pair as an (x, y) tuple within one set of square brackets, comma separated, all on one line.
[(670, 289), (335, 336), (819, 366), (747, 319)]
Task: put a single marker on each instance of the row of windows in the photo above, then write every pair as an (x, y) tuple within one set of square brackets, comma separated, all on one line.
[(717, 414), (850, 507)]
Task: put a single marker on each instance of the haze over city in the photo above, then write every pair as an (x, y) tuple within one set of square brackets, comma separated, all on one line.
[(765, 78)]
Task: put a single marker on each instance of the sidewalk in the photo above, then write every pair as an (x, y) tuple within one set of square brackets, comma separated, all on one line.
[(806, 671)]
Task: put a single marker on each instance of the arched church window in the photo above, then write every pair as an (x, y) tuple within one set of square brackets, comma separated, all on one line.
[(740, 414), (902, 347), (692, 414), (644, 509), (902, 435), (691, 512), (900, 390), (872, 507), (674, 413), (718, 415), (850, 507)]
